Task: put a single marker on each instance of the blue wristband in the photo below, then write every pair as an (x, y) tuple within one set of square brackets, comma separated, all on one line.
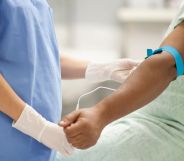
[(174, 52)]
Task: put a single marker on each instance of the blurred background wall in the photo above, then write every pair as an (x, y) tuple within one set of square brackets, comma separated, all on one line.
[(103, 30)]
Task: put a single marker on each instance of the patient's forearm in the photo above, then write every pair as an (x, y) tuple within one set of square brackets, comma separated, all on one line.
[(144, 85), (149, 80), (10, 103)]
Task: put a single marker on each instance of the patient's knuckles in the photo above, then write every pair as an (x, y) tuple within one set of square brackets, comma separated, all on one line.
[(84, 125), (68, 133)]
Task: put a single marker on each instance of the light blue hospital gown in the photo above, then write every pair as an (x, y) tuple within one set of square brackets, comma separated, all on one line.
[(153, 133)]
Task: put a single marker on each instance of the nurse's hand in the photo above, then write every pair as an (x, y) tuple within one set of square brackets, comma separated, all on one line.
[(51, 135), (83, 127), (117, 70)]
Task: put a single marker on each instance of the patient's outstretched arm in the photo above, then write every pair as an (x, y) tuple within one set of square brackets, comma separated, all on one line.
[(148, 81)]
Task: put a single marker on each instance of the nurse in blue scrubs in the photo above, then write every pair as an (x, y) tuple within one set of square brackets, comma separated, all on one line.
[(30, 81), (29, 62)]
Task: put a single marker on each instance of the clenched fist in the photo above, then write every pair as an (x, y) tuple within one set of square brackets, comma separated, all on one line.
[(83, 127)]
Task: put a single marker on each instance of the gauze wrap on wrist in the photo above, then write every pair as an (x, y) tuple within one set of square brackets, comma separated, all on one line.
[(174, 52)]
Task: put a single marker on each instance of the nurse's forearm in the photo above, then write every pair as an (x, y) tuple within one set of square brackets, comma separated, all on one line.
[(149, 80), (72, 68), (10, 103)]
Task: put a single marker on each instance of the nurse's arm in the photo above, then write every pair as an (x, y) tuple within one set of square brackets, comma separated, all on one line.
[(94, 72), (10, 103), (72, 68)]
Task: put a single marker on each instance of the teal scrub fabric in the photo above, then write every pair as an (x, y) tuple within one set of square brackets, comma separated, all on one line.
[(153, 133), (29, 61)]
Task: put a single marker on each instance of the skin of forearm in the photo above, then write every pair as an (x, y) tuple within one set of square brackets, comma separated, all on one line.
[(148, 81), (10, 103), (72, 68)]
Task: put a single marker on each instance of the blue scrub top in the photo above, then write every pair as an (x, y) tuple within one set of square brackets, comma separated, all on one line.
[(29, 61)]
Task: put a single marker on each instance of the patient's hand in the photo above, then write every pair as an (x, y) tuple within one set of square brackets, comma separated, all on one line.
[(83, 127)]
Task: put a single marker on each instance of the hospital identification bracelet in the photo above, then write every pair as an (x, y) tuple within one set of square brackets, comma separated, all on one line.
[(174, 52)]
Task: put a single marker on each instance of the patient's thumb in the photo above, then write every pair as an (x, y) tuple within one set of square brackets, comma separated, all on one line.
[(69, 119)]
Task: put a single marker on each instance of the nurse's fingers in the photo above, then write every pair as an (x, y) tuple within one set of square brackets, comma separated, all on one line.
[(69, 119)]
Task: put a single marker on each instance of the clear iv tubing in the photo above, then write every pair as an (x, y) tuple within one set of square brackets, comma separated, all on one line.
[(101, 87)]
